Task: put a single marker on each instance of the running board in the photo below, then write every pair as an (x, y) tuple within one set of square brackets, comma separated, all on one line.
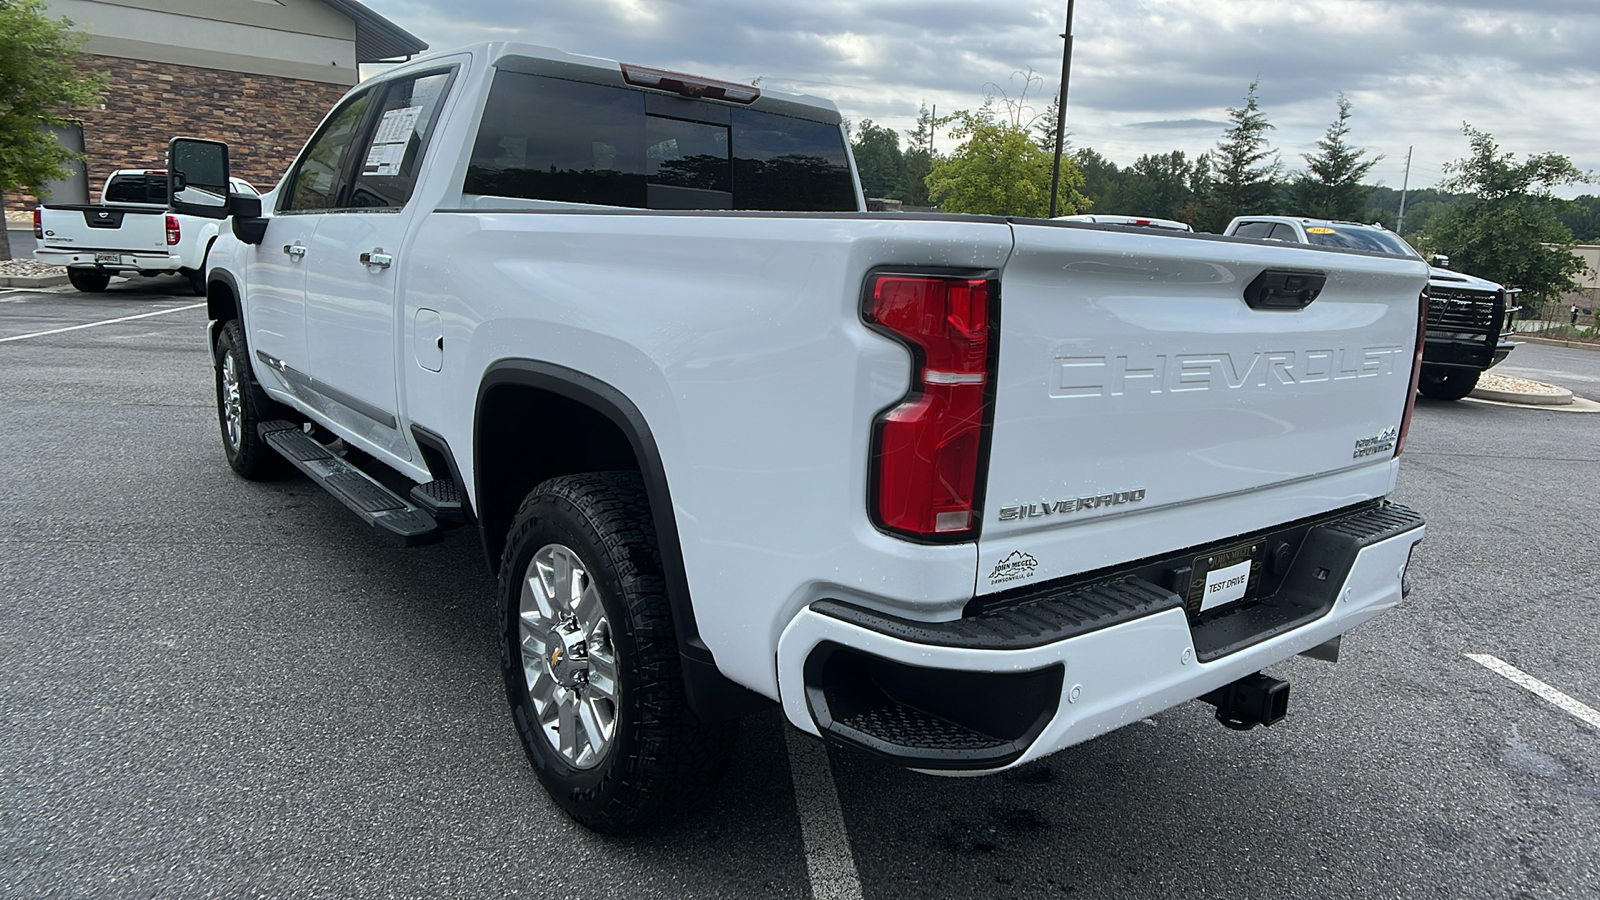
[(387, 513)]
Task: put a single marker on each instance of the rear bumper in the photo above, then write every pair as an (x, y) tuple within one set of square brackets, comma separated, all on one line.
[(128, 261), (1019, 682)]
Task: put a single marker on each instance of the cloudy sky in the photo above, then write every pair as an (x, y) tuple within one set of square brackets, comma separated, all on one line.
[(1148, 76)]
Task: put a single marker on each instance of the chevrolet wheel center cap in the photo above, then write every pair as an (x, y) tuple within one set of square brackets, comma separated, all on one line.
[(569, 655)]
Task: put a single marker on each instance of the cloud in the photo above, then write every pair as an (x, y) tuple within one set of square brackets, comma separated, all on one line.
[(1148, 76)]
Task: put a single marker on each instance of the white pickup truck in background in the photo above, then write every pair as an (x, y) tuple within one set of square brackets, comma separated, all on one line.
[(129, 230), (955, 491)]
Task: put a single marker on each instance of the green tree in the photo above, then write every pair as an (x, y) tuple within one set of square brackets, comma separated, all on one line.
[(878, 158), (38, 80), (999, 170), (1243, 169), (912, 188), (1582, 217), (1331, 187), (1158, 185), (1102, 179), (1045, 127), (1511, 234), (1422, 204)]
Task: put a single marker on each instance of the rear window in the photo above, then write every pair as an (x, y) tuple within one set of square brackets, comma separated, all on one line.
[(549, 139), (136, 189)]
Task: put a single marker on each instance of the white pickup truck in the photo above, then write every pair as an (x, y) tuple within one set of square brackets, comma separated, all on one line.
[(957, 491), (129, 230)]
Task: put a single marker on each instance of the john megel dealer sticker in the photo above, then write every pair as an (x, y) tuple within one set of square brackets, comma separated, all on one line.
[(1018, 566)]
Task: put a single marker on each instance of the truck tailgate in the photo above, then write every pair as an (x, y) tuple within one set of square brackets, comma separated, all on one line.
[(1141, 405), (88, 228)]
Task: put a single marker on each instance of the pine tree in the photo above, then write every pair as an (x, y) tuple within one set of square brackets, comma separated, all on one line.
[(912, 188), (1046, 126), (1243, 168), (1331, 186)]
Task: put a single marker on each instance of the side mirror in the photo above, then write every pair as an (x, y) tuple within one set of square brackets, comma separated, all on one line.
[(248, 224), (197, 183), (1439, 260)]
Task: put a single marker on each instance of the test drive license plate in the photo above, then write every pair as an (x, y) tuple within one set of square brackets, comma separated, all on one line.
[(1225, 577)]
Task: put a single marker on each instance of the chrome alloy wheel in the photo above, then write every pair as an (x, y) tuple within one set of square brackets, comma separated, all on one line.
[(568, 660), (232, 401)]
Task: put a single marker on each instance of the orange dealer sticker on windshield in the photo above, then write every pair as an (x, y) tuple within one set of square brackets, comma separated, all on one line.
[(1319, 231)]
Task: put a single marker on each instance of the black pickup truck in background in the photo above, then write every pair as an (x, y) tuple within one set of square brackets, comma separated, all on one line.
[(1465, 314)]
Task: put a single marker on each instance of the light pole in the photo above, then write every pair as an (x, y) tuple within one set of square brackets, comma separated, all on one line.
[(1061, 107)]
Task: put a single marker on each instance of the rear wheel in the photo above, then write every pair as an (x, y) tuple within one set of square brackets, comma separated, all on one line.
[(1447, 383), (90, 281), (197, 281), (591, 658)]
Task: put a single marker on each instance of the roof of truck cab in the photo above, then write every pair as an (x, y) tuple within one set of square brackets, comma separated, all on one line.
[(539, 60)]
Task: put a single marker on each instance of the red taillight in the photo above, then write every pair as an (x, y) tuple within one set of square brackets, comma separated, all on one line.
[(927, 450), (38, 224), (1416, 373), (174, 233)]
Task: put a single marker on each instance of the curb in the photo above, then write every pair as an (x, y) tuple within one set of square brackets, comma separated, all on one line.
[(1521, 398), (1552, 342), (32, 281)]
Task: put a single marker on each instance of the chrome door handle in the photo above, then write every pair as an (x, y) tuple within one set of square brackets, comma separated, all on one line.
[(294, 250), (377, 258)]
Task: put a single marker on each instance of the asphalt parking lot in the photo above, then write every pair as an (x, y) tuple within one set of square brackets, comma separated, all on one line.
[(213, 688)]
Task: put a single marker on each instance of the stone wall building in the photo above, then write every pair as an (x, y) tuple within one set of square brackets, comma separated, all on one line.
[(258, 74)]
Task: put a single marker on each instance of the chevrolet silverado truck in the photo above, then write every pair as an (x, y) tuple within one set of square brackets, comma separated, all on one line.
[(955, 491), (129, 230), (1465, 313)]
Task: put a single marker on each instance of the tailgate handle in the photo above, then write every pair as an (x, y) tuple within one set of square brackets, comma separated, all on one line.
[(1289, 289)]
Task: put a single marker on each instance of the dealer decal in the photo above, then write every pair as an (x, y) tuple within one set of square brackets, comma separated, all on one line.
[(1016, 566)]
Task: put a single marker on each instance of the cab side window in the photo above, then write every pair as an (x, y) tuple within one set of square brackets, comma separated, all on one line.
[(319, 179), (392, 151), (1257, 230), (1282, 232)]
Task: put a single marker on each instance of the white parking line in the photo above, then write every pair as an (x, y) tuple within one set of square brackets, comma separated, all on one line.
[(159, 312), (1582, 711), (829, 862)]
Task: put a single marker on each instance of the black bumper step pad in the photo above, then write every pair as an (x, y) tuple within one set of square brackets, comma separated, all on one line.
[(928, 718), (387, 512), (441, 498), (1309, 590), (1322, 550), (1065, 612)]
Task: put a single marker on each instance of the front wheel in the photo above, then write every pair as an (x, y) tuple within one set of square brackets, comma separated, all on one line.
[(238, 412), (1447, 383), (90, 281), (590, 657)]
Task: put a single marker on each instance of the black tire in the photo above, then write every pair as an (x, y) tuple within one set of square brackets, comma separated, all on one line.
[(197, 277), (1447, 383), (90, 281), (660, 754), (247, 453)]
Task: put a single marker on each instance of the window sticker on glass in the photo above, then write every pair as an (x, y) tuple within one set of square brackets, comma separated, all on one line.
[(388, 148), (1318, 229)]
